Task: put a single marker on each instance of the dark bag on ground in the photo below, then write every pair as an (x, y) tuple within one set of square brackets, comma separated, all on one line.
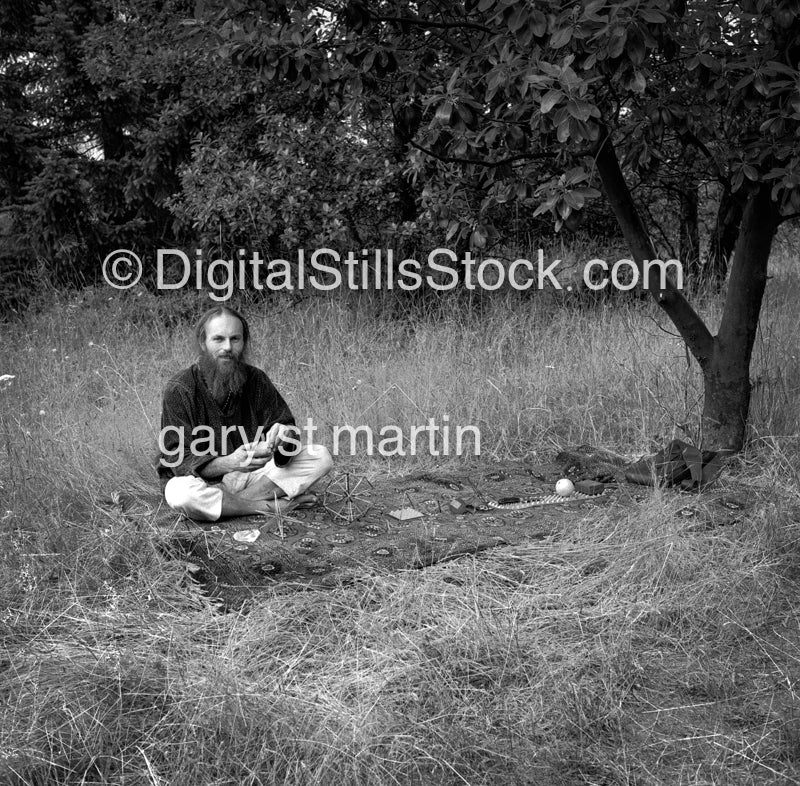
[(678, 464)]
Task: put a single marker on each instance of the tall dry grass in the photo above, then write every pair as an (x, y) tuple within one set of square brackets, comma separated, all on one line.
[(647, 647)]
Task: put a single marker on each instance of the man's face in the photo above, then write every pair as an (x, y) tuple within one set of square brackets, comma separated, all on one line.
[(221, 357), (224, 339)]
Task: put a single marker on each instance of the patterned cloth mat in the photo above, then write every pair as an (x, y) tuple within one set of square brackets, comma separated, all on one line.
[(360, 527)]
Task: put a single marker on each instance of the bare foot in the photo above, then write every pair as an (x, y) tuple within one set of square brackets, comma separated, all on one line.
[(281, 505), (284, 505), (307, 500)]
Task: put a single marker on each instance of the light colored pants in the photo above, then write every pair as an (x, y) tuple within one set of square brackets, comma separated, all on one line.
[(201, 500)]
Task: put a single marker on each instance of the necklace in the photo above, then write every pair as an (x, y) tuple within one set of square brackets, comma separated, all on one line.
[(227, 403)]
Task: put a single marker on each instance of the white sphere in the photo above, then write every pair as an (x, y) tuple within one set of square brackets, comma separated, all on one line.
[(565, 487)]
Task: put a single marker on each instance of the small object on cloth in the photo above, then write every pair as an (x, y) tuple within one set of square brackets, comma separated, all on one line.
[(520, 503), (342, 499), (247, 535), (405, 514), (589, 487), (565, 487), (457, 506)]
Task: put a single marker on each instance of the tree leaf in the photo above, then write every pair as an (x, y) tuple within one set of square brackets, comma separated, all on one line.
[(444, 112), (652, 16), (616, 43), (451, 83), (561, 37), (638, 83), (750, 172), (549, 100), (518, 18), (580, 110), (635, 46), (539, 23)]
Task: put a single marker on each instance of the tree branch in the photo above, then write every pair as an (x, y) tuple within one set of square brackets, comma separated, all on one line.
[(693, 330), (418, 22), (689, 138), (479, 161)]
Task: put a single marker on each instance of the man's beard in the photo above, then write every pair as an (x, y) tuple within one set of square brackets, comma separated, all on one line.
[(224, 378)]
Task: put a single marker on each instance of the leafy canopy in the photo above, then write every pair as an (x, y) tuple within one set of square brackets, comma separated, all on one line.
[(517, 96)]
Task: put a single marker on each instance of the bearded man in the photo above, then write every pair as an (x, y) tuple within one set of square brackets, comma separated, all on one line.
[(228, 440)]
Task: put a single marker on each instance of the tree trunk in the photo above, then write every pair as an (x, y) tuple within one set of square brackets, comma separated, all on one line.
[(727, 376), (406, 125), (689, 243), (111, 135), (723, 239), (724, 359)]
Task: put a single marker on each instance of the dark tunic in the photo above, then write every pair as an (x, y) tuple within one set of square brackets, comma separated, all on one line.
[(188, 404)]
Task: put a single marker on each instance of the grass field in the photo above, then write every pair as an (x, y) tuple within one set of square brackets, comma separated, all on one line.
[(637, 651)]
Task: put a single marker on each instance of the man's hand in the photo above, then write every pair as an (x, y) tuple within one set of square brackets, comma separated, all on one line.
[(276, 434), (246, 458), (243, 459), (250, 456), (257, 454)]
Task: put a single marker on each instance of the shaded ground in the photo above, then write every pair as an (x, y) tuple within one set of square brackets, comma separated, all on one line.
[(351, 532)]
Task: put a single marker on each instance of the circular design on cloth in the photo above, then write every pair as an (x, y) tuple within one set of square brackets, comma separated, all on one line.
[(340, 537), (373, 530), (383, 551), (307, 545), (491, 521), (517, 514), (317, 570), (284, 531), (317, 523), (240, 547), (269, 568)]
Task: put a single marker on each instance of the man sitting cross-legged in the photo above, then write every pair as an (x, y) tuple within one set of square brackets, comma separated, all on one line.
[(228, 442)]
